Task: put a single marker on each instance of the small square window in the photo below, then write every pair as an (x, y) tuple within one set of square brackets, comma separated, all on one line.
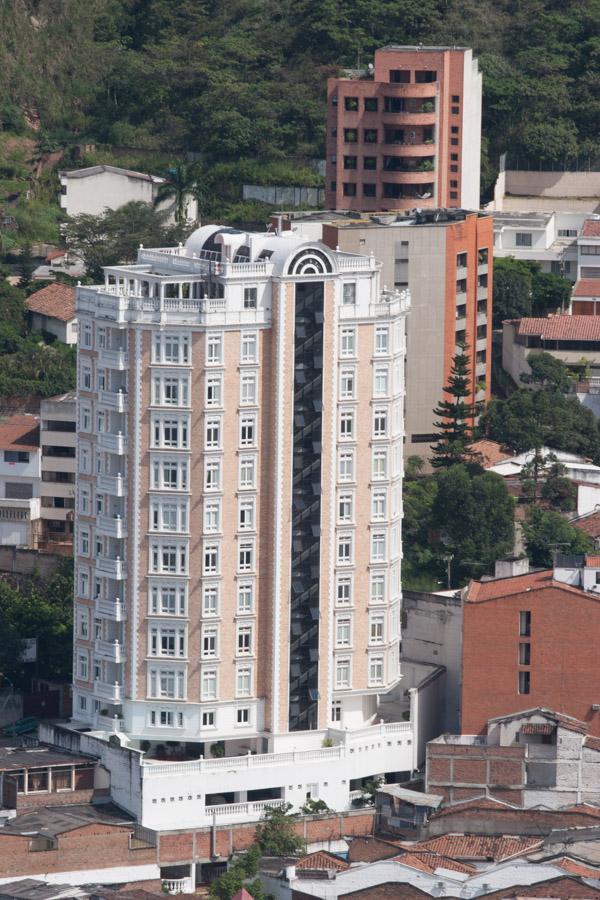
[(370, 135), (524, 682), (455, 111), (370, 104), (243, 716), (453, 195), (369, 190), (454, 142), (369, 163), (454, 157), (454, 168), (349, 162), (351, 104), (349, 189)]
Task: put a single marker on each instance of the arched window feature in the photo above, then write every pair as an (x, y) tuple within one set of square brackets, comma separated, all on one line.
[(310, 261)]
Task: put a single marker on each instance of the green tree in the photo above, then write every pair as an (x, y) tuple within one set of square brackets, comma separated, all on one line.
[(549, 292), (182, 182), (238, 876), (547, 532), (512, 290), (457, 412), (547, 372), (275, 834), (558, 490)]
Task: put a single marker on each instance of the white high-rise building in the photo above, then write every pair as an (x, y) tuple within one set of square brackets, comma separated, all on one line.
[(238, 528)]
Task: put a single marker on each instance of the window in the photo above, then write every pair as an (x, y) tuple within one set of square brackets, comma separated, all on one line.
[(212, 474), (345, 508), (399, 76), (347, 384), (380, 420), (16, 456), (168, 599), (210, 600), (170, 390), (378, 505), (336, 712), (250, 297), (348, 342), (212, 434), (523, 239), (208, 684), (86, 418), (168, 432), (377, 591), (350, 162), (525, 623), (370, 135), (214, 349), (378, 547), (461, 261), (456, 110), (349, 189), (344, 590), (86, 336), (349, 293), (167, 641), (454, 168), (381, 381), (245, 597), (247, 468), (344, 549), (84, 584), (375, 670), (168, 515), (369, 163), (211, 559), (212, 515), (84, 501), (173, 349), (247, 431), (244, 640), (169, 475), (369, 190), (166, 718), (248, 389), (84, 542), (346, 466), (524, 654), (342, 673), (351, 104), (342, 632), (347, 425), (243, 681), (168, 684), (379, 464), (165, 558), (350, 135), (461, 286), (214, 390), (249, 348), (245, 556), (243, 716), (382, 340), (246, 514), (208, 718), (454, 157), (567, 232), (86, 377), (209, 641), (370, 104), (524, 682), (376, 625), (82, 666)]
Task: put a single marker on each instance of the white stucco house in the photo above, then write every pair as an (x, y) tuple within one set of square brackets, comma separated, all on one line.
[(96, 188)]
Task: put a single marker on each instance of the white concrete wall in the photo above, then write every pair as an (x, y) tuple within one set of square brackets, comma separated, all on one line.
[(588, 498), (471, 131), (94, 193)]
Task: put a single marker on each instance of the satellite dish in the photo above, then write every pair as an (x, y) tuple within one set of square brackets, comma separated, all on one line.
[(370, 67)]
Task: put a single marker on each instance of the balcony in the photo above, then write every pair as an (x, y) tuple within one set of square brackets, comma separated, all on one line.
[(108, 723), (111, 526), (111, 609), (113, 651), (112, 484), (246, 810), (114, 359), (105, 691), (115, 400), (112, 568), (177, 885), (112, 443)]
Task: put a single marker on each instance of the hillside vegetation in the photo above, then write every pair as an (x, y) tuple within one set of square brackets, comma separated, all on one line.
[(246, 78)]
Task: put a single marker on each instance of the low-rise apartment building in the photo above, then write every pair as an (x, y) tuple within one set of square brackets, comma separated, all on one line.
[(52, 312), (547, 238), (20, 471), (575, 340), (58, 441)]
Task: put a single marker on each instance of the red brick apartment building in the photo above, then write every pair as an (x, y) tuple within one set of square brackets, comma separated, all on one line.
[(528, 641), (407, 133)]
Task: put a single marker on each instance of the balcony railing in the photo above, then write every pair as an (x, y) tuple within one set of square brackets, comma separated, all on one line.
[(114, 651), (111, 609), (111, 526), (114, 359), (116, 400), (112, 443), (243, 809), (107, 691), (113, 568), (177, 885), (112, 484)]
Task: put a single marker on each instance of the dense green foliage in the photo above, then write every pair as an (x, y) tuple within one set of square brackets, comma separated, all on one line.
[(548, 532), (547, 371), (456, 414), (238, 875), (522, 289), (28, 365), (246, 78), (42, 609), (461, 514)]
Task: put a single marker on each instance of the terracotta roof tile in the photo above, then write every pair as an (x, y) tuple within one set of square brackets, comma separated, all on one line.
[(593, 743), (479, 591), (321, 859), (590, 524), (577, 868), (55, 300), (563, 328), (20, 433), (429, 862), (478, 847), (591, 228), (479, 803), (593, 560), (490, 452), (55, 254), (587, 287)]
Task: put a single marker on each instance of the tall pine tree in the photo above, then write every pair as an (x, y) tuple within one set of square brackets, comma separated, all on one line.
[(456, 415)]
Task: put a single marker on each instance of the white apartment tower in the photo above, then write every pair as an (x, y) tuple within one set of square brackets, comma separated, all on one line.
[(239, 499)]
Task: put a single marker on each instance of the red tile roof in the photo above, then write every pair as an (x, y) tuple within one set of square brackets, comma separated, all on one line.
[(490, 452), (587, 287), (429, 862), (321, 859), (593, 743), (479, 591), (593, 560), (478, 847), (577, 868), (563, 328), (55, 254), (557, 718), (20, 433), (56, 301), (591, 228), (479, 803), (590, 524)]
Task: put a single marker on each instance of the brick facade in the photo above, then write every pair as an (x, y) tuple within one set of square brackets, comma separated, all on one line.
[(459, 772)]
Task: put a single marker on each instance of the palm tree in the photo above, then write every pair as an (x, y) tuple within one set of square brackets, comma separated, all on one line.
[(181, 182)]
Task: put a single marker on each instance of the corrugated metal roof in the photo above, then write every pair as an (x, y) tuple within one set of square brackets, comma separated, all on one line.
[(415, 798)]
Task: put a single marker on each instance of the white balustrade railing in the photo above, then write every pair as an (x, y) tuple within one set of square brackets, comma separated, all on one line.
[(178, 885)]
